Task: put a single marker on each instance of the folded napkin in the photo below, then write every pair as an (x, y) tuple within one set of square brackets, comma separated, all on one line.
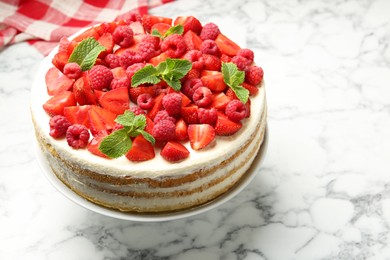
[(42, 23)]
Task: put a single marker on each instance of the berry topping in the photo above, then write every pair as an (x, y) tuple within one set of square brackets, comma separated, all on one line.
[(181, 130), (189, 23), (122, 82), (77, 136), (202, 97), (133, 69), (172, 103), (147, 50), (112, 60), (196, 58), (210, 31), (141, 150), (207, 116), (123, 36), (254, 75), (211, 62), (129, 57), (173, 46), (163, 115), (240, 62), (190, 85), (164, 130), (174, 151), (200, 135), (152, 39), (72, 70), (145, 101), (137, 110), (100, 77), (225, 126), (56, 104), (210, 47), (247, 54), (235, 110), (58, 126)]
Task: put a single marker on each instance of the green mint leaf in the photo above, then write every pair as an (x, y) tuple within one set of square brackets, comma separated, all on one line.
[(173, 83), (147, 136), (157, 34), (234, 78), (139, 122), (145, 75), (126, 119), (179, 66), (177, 29), (162, 68), (86, 53), (116, 144)]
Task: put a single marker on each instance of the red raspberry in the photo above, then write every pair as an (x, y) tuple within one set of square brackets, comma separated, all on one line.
[(225, 58), (129, 57), (122, 82), (133, 69), (202, 97), (210, 31), (58, 126), (164, 130), (247, 54), (174, 46), (241, 62), (211, 62), (163, 115), (123, 36), (137, 110), (77, 136), (210, 47), (172, 103), (100, 77), (112, 60), (192, 74), (196, 58), (152, 39), (235, 110), (146, 50), (254, 75), (207, 116), (128, 18), (145, 101), (72, 70), (190, 85), (63, 44)]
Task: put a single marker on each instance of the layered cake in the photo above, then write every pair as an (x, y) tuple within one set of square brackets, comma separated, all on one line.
[(149, 114)]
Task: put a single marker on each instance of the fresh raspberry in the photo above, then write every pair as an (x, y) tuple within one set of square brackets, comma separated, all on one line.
[(235, 110), (174, 46), (164, 130), (207, 116), (210, 47), (123, 36), (192, 74), (77, 136), (163, 115), (133, 69), (72, 70), (112, 60), (202, 97), (196, 58), (254, 75), (58, 126), (172, 103), (247, 54), (161, 87), (129, 57), (210, 31), (211, 62), (128, 18), (122, 82), (146, 50), (137, 110), (100, 77), (152, 39), (63, 45), (190, 85), (145, 101), (225, 58), (241, 62)]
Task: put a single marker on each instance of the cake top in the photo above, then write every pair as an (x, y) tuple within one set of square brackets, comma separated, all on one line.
[(127, 87)]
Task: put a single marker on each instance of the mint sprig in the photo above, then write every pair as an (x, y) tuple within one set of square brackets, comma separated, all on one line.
[(177, 29), (119, 142), (170, 70), (234, 78), (86, 53)]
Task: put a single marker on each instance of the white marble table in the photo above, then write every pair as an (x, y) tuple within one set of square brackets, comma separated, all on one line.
[(323, 191)]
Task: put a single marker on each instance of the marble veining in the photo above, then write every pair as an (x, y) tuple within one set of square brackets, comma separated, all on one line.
[(323, 191)]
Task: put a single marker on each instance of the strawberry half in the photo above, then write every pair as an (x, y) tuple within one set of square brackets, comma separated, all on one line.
[(181, 130), (115, 100), (78, 114), (220, 101), (156, 107), (174, 151), (93, 146), (135, 92), (227, 46), (214, 82), (56, 104), (137, 28), (141, 150), (192, 41), (200, 135), (56, 81), (161, 27), (225, 126), (189, 23), (83, 92), (190, 114), (149, 20)]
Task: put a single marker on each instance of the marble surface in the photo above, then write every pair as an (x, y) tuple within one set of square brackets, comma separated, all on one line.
[(323, 191)]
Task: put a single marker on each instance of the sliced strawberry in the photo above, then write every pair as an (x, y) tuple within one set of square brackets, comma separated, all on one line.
[(78, 114), (200, 135), (156, 107), (60, 59), (93, 146), (83, 92), (174, 151), (209, 73), (190, 114), (98, 94), (253, 90), (137, 28), (141, 150), (149, 20), (56, 81), (214, 82), (107, 116), (230, 93), (96, 124), (192, 40), (88, 33), (161, 27), (115, 100), (185, 101), (158, 59), (220, 100), (189, 23), (118, 72), (56, 104), (227, 46), (211, 62), (149, 125), (135, 92), (225, 126), (181, 130), (108, 42), (106, 27)]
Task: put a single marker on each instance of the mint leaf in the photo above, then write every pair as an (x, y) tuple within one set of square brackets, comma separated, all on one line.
[(147, 136), (173, 83), (156, 33), (177, 29), (234, 78), (179, 67), (147, 74), (86, 53), (116, 144), (126, 119)]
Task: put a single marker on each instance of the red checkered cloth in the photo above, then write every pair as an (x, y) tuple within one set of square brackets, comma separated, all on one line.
[(43, 22)]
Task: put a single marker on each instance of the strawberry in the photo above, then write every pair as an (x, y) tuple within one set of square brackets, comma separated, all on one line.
[(209, 73), (220, 100), (56, 81), (174, 151), (225, 126), (156, 107), (96, 123), (190, 114), (56, 104), (181, 130), (227, 46), (214, 82), (107, 116), (92, 32), (149, 125), (78, 114), (211, 62), (141, 150), (93, 146), (189, 23), (115, 100), (106, 27), (137, 28), (137, 91), (108, 42), (253, 90), (149, 20), (83, 92), (60, 59), (118, 72), (200, 135), (161, 27), (192, 40), (230, 93), (158, 59)]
